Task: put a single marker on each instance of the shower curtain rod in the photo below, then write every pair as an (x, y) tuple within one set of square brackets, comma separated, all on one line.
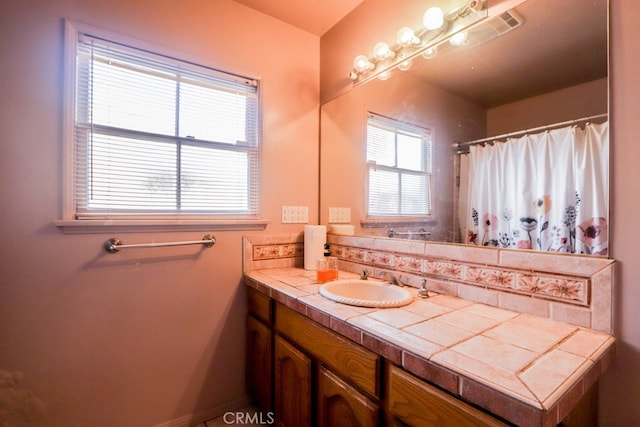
[(459, 145)]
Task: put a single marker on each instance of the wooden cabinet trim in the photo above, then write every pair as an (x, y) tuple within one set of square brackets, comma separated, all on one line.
[(259, 368), (339, 404), (260, 305), (293, 386), (344, 357), (419, 404)]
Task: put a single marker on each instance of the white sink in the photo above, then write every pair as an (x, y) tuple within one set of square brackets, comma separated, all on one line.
[(365, 293)]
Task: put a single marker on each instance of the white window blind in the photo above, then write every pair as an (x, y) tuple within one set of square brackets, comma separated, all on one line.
[(155, 136), (399, 165)]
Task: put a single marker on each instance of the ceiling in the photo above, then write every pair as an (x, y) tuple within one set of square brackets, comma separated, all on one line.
[(560, 44), (313, 16)]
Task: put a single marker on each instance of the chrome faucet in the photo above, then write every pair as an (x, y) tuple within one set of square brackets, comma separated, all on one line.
[(423, 292), (393, 279)]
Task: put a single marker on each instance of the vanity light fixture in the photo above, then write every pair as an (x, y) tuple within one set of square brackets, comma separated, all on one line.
[(381, 51), (459, 38), (432, 52), (406, 37), (362, 64), (433, 18), (436, 29), (405, 65)]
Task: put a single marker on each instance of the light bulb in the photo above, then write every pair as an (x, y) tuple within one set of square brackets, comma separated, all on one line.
[(406, 37), (361, 63), (405, 65), (384, 75), (433, 18), (459, 39), (430, 53), (381, 51)]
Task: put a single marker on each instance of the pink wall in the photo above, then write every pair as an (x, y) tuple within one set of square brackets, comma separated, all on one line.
[(583, 100), (145, 336)]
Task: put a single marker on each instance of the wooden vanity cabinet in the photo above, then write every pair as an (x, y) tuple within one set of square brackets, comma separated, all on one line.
[(293, 380), (413, 402), (310, 376), (343, 375), (340, 405), (259, 346)]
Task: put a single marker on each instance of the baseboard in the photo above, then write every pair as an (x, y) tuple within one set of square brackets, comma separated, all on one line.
[(198, 417)]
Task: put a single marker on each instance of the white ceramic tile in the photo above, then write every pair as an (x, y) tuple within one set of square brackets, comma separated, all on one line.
[(524, 336), (451, 302), (550, 372), (439, 333), (291, 291), (468, 321), (569, 313), (494, 376), (396, 317), (310, 289), (337, 310), (584, 343), (551, 327), (396, 336), (496, 353), (524, 304), (490, 312), (426, 308)]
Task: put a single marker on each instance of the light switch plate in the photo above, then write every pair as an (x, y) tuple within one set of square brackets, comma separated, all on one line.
[(295, 214), (340, 215)]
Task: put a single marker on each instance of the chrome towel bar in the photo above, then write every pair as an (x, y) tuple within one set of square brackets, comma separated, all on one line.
[(113, 245), (421, 232)]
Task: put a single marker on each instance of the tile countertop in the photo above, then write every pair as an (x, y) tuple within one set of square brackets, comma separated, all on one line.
[(545, 364)]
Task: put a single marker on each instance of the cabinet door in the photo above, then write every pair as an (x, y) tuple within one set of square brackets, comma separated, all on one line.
[(259, 366), (293, 386), (340, 405), (416, 403)]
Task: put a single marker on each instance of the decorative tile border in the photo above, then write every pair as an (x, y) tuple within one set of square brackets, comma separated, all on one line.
[(277, 250), (568, 289), (575, 288)]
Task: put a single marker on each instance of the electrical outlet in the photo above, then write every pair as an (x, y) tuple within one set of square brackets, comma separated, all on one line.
[(295, 214), (340, 215)]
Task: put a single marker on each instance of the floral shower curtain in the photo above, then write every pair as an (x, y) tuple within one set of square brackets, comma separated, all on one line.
[(546, 191)]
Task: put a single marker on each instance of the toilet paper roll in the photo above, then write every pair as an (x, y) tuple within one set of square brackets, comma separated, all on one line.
[(344, 229), (315, 236)]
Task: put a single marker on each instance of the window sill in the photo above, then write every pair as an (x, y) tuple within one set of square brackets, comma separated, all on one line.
[(87, 226), (397, 222)]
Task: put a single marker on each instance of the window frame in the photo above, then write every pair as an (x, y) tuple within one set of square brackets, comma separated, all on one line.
[(372, 220), (69, 222)]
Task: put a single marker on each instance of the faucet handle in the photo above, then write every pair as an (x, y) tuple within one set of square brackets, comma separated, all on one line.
[(364, 275), (423, 292)]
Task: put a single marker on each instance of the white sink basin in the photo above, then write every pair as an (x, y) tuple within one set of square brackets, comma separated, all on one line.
[(364, 293)]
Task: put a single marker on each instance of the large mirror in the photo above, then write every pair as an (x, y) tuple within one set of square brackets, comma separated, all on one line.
[(549, 69)]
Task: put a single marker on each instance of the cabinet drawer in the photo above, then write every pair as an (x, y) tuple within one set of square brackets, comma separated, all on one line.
[(419, 404), (259, 305), (344, 357), (340, 405)]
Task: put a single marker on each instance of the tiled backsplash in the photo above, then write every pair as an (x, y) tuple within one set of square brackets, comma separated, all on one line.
[(569, 288)]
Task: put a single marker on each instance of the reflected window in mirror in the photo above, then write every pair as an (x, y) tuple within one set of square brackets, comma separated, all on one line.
[(399, 168)]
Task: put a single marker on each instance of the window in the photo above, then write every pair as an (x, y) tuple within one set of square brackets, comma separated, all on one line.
[(399, 165), (156, 137)]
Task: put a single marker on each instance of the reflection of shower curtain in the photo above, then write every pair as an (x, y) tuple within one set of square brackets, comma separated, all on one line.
[(546, 191)]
